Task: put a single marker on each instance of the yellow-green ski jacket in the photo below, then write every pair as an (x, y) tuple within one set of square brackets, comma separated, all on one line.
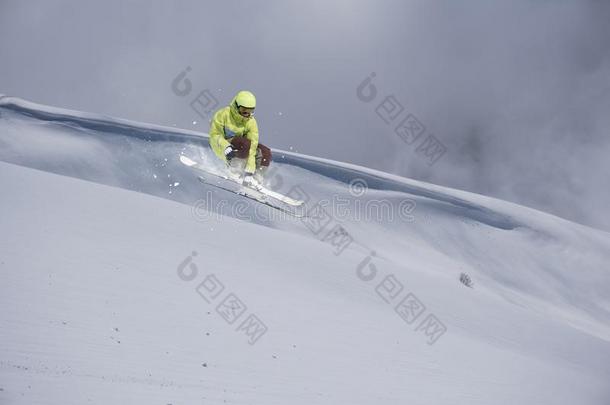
[(227, 123)]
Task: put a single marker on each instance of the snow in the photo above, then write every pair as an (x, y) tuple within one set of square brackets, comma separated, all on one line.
[(99, 305)]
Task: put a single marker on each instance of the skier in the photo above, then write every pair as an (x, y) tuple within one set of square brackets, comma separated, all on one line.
[(234, 139)]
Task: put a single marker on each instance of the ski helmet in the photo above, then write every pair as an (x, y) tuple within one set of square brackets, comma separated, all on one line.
[(245, 99)]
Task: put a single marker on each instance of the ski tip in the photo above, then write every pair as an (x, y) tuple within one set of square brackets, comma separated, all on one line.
[(187, 161)]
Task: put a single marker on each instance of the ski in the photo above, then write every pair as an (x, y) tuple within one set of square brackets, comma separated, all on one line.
[(254, 195), (261, 196), (270, 193)]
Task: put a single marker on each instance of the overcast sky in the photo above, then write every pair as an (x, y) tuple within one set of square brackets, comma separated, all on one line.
[(517, 92)]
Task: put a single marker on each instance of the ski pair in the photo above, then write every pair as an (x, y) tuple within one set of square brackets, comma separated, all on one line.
[(262, 194)]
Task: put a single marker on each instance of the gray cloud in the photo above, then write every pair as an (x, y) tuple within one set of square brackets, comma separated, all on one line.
[(518, 91)]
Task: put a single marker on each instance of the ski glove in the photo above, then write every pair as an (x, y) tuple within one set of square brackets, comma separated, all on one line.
[(230, 152)]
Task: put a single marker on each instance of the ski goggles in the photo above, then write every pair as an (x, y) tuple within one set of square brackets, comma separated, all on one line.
[(245, 111)]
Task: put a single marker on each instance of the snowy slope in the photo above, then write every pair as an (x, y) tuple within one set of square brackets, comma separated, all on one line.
[(99, 306)]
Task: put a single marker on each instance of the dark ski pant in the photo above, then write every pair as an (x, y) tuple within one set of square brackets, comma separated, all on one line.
[(242, 144)]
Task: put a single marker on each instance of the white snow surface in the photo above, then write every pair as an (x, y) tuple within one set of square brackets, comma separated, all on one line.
[(108, 245)]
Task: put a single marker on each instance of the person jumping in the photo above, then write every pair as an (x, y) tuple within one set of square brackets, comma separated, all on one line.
[(234, 139)]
